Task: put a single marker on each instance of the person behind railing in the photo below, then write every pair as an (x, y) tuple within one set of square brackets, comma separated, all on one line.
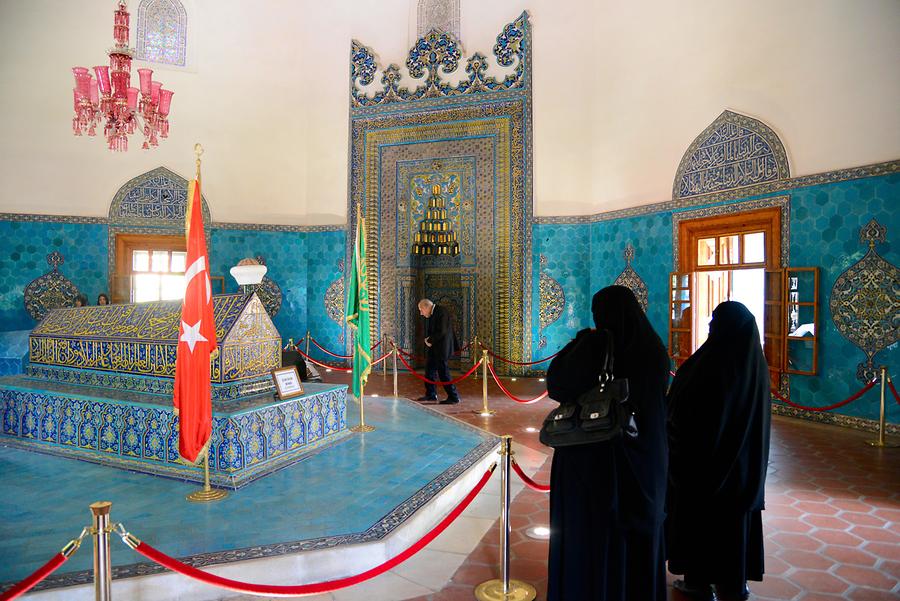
[(440, 343), (81, 301), (719, 418), (102, 299), (607, 498)]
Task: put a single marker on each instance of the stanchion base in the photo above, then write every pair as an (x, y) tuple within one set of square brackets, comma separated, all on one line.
[(882, 445), (492, 590), (484, 413), (206, 496), (362, 428)]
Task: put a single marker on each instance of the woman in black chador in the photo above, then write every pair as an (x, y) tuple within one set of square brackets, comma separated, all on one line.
[(607, 499), (719, 418)]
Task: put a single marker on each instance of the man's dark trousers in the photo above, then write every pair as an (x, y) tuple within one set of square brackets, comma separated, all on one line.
[(437, 369)]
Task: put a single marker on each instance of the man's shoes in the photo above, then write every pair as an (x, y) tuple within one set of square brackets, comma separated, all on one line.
[(700, 593), (426, 399), (733, 595), (449, 401)]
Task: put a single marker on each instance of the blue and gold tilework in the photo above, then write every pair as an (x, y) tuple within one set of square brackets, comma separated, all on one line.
[(139, 431), (141, 338)]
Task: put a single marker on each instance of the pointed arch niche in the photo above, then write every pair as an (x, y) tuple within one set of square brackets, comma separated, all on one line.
[(734, 152), (151, 207)]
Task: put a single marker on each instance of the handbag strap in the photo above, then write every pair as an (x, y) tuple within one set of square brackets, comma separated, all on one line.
[(606, 374)]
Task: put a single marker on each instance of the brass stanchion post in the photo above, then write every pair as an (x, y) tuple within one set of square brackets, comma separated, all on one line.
[(484, 411), (383, 363), (307, 343), (207, 493), (475, 354), (882, 416), (505, 589), (394, 354), (363, 426), (102, 564)]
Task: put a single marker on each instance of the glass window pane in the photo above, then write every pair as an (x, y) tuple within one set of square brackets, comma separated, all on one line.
[(178, 260), (706, 251), (728, 250), (146, 288), (172, 287), (140, 260), (681, 315), (755, 248), (161, 261)]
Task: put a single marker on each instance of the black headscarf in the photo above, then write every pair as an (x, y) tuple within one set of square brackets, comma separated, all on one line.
[(719, 414)]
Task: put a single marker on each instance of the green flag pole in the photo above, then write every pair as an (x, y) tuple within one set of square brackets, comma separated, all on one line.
[(358, 318)]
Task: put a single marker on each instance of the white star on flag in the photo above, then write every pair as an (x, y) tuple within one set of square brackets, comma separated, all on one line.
[(192, 334)]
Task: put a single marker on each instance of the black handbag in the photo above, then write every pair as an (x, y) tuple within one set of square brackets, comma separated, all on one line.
[(596, 415)]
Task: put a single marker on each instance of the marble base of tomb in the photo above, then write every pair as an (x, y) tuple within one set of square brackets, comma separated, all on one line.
[(253, 435)]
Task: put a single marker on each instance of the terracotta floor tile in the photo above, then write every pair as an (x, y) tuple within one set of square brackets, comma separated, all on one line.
[(866, 577), (818, 581), (818, 475)]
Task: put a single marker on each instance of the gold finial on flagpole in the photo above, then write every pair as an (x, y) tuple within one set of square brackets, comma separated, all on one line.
[(198, 150)]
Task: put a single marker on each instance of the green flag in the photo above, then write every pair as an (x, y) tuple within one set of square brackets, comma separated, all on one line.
[(358, 310)]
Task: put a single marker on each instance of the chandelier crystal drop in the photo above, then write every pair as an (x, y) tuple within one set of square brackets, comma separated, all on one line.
[(435, 235), (111, 99)]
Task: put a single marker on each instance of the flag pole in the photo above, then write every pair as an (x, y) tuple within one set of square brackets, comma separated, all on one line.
[(362, 327), (207, 493)]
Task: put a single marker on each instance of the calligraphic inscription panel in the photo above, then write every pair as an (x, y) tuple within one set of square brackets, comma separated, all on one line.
[(142, 338), (734, 152)]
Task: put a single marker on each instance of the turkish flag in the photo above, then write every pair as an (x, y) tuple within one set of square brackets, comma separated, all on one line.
[(196, 340)]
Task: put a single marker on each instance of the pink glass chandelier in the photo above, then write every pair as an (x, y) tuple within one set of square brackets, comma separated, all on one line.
[(111, 98)]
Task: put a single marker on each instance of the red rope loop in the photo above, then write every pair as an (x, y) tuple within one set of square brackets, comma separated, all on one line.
[(436, 383), (846, 401), (318, 587), (38, 575), (327, 352), (528, 481), (509, 394), (326, 365), (381, 358), (890, 384), (507, 361), (410, 355)]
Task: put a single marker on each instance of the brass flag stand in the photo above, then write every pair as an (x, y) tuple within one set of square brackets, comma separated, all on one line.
[(207, 493)]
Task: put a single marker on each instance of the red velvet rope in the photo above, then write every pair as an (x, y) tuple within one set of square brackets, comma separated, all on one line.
[(890, 384), (528, 481), (509, 394), (318, 587), (850, 399), (507, 361), (320, 364), (381, 358), (326, 351), (42, 572), (424, 379), (410, 355)]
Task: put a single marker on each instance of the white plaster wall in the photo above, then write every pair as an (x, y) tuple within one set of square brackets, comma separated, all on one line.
[(620, 90)]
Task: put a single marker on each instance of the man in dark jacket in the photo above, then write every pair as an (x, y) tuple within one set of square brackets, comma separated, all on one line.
[(440, 342)]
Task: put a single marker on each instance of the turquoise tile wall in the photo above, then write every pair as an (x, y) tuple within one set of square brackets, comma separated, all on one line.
[(567, 253), (651, 237), (285, 255), (825, 224), (325, 252), (24, 258)]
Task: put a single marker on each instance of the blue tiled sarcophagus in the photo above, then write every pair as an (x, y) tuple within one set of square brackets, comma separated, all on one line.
[(99, 388)]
